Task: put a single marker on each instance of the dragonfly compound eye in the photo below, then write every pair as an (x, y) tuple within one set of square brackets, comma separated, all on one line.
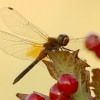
[(63, 39)]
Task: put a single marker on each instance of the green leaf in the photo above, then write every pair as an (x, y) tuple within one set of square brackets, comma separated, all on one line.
[(96, 82), (64, 62)]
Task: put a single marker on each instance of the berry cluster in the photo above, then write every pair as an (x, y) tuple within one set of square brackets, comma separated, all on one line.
[(93, 43), (66, 86)]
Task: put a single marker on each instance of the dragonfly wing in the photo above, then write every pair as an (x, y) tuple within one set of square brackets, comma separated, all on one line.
[(19, 47), (19, 25), (76, 43)]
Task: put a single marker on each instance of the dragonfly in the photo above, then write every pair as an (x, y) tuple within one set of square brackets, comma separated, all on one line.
[(27, 41)]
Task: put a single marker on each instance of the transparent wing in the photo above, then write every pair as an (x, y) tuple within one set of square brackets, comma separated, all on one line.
[(19, 25), (19, 47), (76, 43)]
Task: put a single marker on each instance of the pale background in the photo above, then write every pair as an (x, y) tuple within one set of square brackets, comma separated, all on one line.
[(74, 17)]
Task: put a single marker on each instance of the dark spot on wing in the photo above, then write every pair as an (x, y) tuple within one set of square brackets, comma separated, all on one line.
[(10, 8)]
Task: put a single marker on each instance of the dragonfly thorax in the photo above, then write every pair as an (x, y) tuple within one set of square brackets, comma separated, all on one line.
[(56, 43), (63, 39), (52, 44)]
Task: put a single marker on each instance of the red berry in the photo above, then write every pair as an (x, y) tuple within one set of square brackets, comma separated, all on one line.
[(67, 84), (63, 97), (34, 96), (94, 98), (54, 92), (97, 51), (92, 42)]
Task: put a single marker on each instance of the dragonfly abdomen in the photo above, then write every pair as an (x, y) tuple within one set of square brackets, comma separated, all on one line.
[(25, 71)]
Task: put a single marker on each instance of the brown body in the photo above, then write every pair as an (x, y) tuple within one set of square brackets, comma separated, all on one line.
[(51, 44)]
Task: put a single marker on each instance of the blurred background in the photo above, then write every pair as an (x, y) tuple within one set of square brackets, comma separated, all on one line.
[(76, 18)]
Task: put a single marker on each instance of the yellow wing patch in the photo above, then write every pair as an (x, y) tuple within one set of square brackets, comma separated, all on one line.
[(34, 50)]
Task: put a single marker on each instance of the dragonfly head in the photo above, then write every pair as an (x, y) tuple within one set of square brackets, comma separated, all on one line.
[(63, 39)]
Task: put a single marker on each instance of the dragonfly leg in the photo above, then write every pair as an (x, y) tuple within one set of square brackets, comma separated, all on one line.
[(66, 49)]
